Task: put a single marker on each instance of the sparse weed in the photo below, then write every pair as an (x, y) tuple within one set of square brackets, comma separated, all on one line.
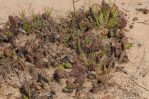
[(22, 14), (83, 46)]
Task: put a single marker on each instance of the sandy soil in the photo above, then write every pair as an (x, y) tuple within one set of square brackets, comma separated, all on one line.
[(133, 82)]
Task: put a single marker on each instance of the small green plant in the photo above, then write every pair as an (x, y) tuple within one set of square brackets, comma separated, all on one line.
[(88, 40), (89, 62), (33, 15), (102, 52), (25, 97), (128, 45), (61, 67), (95, 8), (66, 65), (89, 3), (48, 11), (22, 14), (9, 34), (79, 47), (113, 22), (26, 26), (106, 15), (26, 92), (114, 11), (67, 90), (100, 19), (37, 22)]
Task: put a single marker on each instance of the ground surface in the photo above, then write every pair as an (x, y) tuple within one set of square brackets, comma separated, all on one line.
[(133, 82)]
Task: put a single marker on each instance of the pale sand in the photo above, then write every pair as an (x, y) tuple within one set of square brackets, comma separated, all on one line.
[(137, 68)]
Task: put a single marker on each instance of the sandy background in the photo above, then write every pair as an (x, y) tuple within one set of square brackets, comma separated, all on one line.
[(134, 84)]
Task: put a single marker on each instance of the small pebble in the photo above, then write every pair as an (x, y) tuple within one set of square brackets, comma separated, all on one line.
[(139, 45), (146, 11), (135, 19), (131, 26), (122, 3), (143, 10), (139, 3)]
